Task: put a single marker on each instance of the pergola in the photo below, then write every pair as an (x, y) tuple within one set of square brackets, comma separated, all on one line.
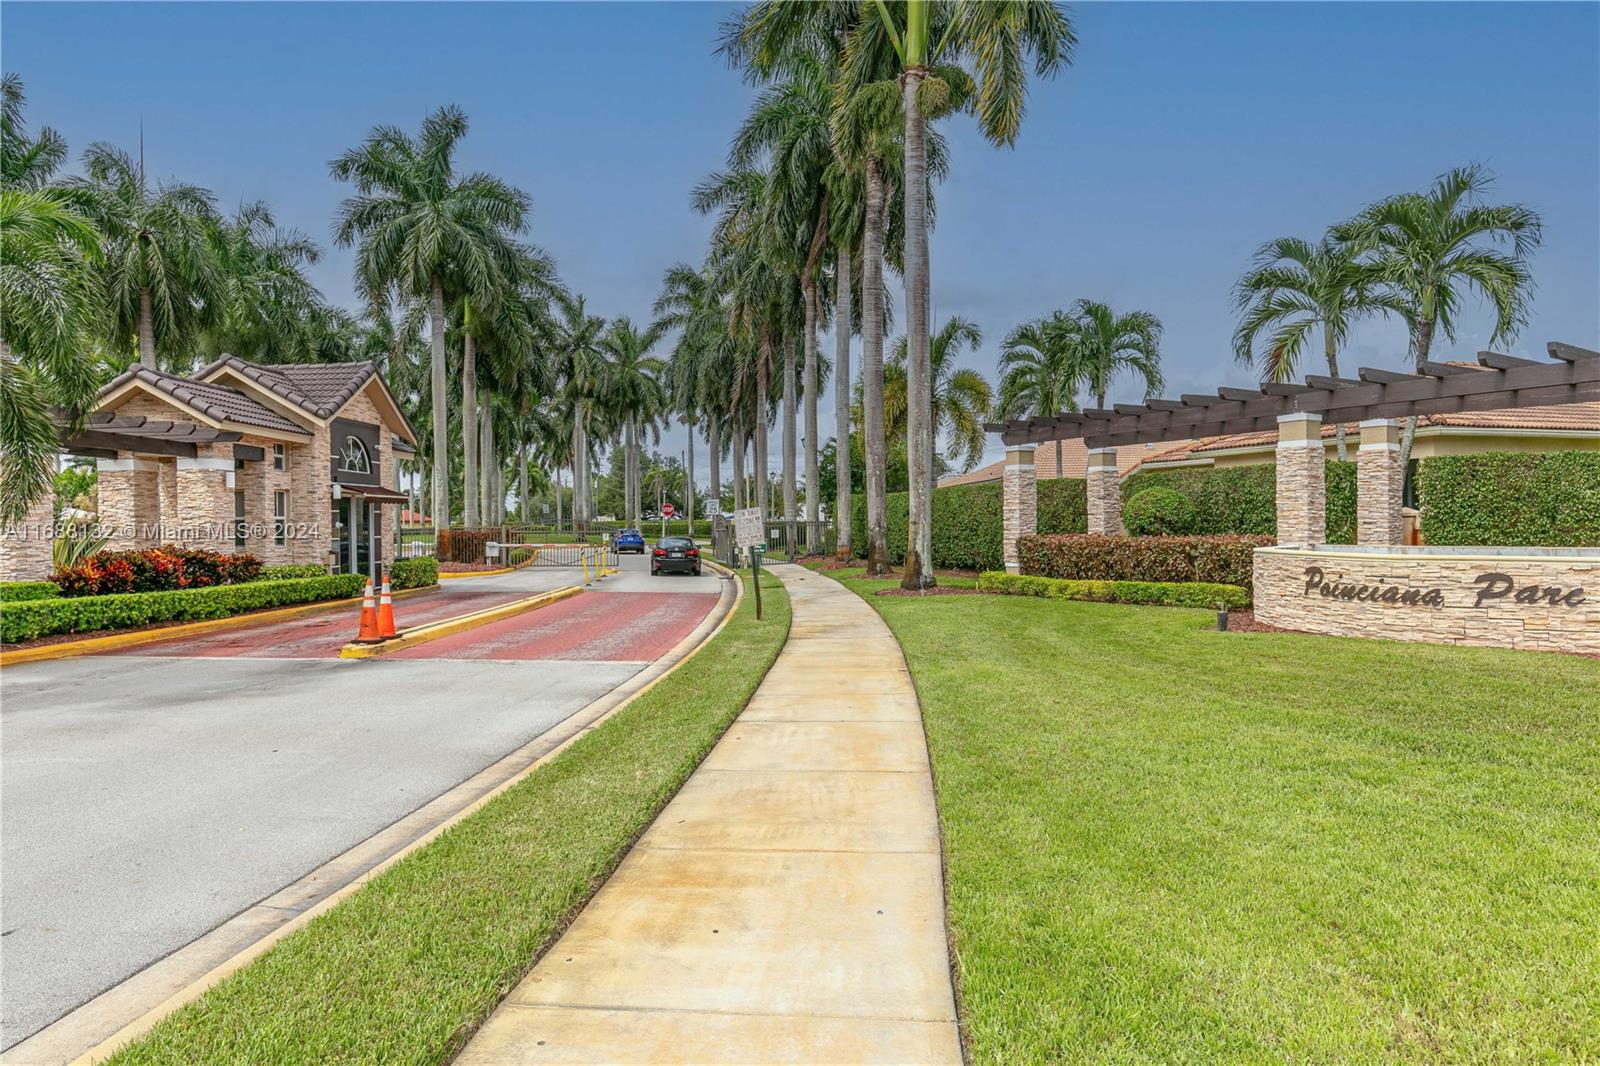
[(103, 434), (1375, 398)]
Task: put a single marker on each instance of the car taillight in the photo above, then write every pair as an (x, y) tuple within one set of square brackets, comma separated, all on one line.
[(659, 551), (693, 551)]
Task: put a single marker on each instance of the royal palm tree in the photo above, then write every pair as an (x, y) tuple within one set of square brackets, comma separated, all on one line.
[(160, 269), (420, 225), (581, 372), (1040, 371), (26, 162), (53, 309), (636, 394), (266, 310), (1296, 286), (961, 398), (1434, 246), (696, 379), (931, 41)]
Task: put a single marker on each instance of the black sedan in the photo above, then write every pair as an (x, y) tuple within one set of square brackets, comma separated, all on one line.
[(675, 555)]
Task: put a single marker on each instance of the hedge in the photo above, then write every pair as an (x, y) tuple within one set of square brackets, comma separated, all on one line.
[(1152, 593), (19, 591), (967, 521), (1504, 498), (286, 571), (416, 573), (1243, 500), (1158, 511), (1096, 557), (125, 610)]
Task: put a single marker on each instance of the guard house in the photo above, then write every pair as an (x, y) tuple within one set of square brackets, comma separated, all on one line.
[(293, 463)]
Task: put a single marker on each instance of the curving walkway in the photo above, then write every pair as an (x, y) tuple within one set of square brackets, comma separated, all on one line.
[(787, 906)]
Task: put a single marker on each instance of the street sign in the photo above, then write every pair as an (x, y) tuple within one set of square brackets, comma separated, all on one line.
[(667, 510), (747, 527)]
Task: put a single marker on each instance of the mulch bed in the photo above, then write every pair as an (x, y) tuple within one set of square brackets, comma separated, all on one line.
[(937, 590), (1245, 622), (468, 568)]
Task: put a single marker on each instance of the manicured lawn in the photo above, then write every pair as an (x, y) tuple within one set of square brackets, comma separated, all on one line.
[(1170, 844), (405, 969)]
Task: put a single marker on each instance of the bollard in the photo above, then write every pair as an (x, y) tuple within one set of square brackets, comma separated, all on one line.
[(1222, 618)]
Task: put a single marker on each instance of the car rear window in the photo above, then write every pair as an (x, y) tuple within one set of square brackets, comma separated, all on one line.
[(676, 542)]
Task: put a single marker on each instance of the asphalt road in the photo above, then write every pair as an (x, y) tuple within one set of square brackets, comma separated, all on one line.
[(147, 797)]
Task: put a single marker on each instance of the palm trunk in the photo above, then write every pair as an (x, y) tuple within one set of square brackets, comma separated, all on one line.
[(471, 434), (1422, 345), (485, 509), (441, 413), (147, 330), (577, 467), (919, 406), (790, 527), (1332, 354), (524, 512), (872, 372), (809, 389), (557, 480), (841, 405), (688, 468), (738, 465), (714, 446), (1060, 472), (763, 372)]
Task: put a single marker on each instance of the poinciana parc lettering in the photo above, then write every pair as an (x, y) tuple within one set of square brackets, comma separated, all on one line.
[(1495, 586), (1332, 590)]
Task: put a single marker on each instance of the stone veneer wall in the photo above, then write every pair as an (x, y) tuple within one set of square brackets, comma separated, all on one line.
[(1301, 481), (1380, 484), (1102, 486), (1019, 506), (26, 546), (1354, 609)]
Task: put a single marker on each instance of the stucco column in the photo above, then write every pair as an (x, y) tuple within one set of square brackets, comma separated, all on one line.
[(205, 499), (1302, 484), (130, 512), (1103, 488), (1380, 484), (1021, 503)]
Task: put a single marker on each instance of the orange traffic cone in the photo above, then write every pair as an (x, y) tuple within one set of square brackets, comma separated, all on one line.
[(385, 612), (369, 618)]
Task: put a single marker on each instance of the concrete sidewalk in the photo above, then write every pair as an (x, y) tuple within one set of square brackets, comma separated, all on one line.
[(787, 905)]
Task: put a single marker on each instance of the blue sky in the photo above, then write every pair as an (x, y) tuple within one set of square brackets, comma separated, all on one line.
[(1183, 137)]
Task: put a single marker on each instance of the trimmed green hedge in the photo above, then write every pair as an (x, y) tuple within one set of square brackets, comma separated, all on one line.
[(1150, 593), (125, 610), (1097, 557), (414, 573), (21, 591), (967, 521), (1159, 512), (1504, 498), (1244, 499), (289, 571)]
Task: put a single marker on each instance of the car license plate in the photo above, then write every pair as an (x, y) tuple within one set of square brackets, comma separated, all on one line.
[(675, 555)]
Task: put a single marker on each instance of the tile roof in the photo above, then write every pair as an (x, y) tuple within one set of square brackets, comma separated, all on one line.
[(214, 401), (1571, 417), (1074, 461), (317, 388)]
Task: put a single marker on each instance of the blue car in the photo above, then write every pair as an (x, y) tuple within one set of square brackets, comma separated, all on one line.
[(627, 540)]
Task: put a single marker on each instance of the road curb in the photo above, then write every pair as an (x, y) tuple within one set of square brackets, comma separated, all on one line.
[(69, 649), (128, 1010), (410, 638)]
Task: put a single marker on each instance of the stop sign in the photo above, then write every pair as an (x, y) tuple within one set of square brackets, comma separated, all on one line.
[(667, 510)]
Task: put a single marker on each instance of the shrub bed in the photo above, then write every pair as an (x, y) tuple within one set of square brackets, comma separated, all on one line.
[(1501, 498), (42, 618), (414, 573), (287, 571), (20, 591), (1095, 557), (161, 569), (1150, 593), (967, 521)]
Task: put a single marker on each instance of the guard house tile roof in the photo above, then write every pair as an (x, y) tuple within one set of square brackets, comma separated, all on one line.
[(214, 401), (318, 388)]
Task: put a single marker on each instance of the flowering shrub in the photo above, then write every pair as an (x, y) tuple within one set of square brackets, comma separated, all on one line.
[(154, 570)]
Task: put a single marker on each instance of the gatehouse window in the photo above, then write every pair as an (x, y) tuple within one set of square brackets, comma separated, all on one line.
[(354, 459), (280, 517), (238, 520), (277, 457)]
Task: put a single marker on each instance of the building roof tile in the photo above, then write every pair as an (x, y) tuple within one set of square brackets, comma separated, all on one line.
[(213, 401)]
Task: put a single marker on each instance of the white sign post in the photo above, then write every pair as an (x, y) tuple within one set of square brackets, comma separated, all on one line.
[(747, 527)]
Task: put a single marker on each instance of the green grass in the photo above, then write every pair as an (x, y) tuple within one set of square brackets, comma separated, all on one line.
[(405, 969), (1168, 844)]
